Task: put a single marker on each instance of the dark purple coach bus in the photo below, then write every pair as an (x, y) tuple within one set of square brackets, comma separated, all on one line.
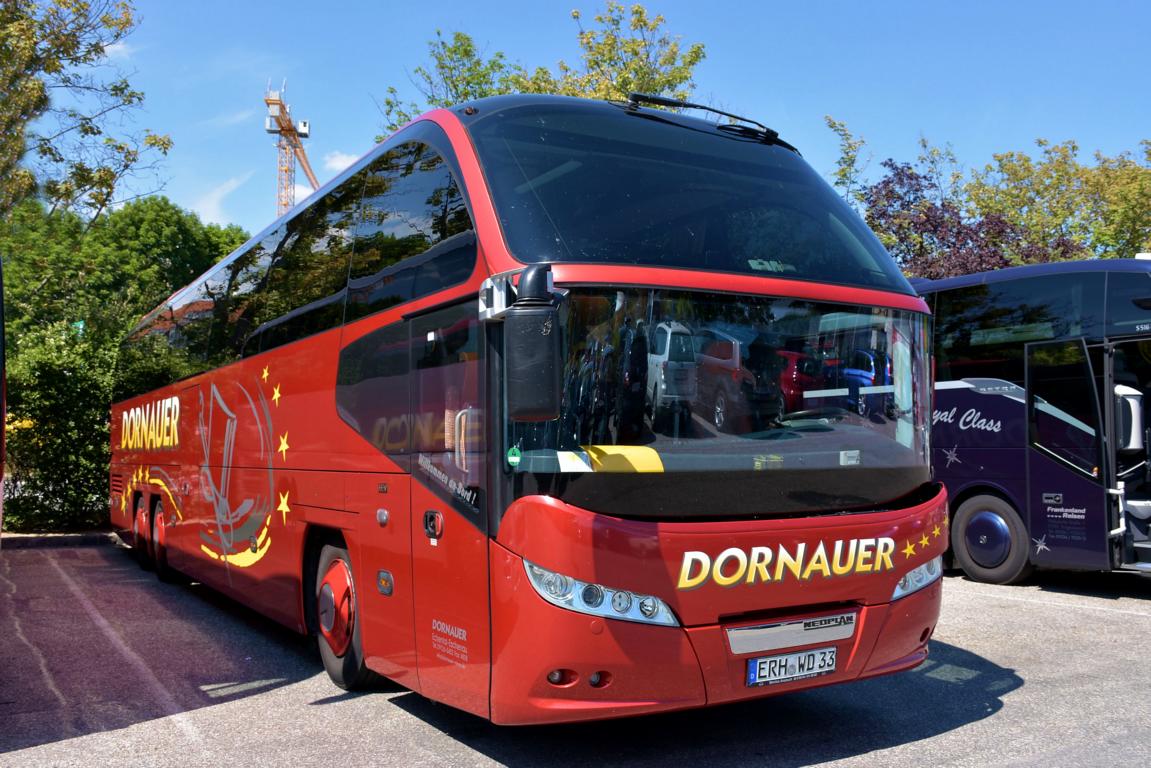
[(1042, 374)]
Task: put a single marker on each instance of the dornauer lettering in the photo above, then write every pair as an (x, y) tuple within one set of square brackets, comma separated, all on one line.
[(152, 425), (801, 562)]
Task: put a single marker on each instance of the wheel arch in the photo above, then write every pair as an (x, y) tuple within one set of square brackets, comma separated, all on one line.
[(957, 497)]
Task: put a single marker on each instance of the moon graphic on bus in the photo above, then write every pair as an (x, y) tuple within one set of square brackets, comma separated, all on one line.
[(242, 513)]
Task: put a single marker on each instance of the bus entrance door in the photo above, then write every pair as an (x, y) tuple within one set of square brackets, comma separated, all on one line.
[(1131, 379), (449, 529), (1070, 513)]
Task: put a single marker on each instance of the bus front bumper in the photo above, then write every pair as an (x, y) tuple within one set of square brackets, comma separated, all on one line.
[(554, 665)]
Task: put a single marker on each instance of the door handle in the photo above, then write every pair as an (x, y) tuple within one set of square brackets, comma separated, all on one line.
[(433, 524)]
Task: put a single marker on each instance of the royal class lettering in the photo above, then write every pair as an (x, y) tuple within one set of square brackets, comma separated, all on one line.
[(152, 425), (774, 564), (971, 419)]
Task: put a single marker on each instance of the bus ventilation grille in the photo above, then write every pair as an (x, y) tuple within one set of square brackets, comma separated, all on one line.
[(117, 483)]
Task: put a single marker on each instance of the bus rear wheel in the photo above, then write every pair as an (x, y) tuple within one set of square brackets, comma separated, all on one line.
[(337, 621), (141, 547), (989, 540), (159, 545)]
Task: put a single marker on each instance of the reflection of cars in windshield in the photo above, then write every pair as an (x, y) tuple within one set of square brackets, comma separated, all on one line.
[(738, 376), (866, 368), (671, 372), (802, 373), (631, 381)]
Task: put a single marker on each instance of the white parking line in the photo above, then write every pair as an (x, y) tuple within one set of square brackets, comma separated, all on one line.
[(1059, 603), (167, 702)]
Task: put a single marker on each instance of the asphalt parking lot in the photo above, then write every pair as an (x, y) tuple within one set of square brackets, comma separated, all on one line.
[(100, 664)]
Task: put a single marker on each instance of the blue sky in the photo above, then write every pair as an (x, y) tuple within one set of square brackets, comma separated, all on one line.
[(985, 77)]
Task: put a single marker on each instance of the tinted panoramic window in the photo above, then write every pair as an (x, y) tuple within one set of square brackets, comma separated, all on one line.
[(415, 235), (580, 183), (1128, 303), (981, 330), (304, 293), (285, 286)]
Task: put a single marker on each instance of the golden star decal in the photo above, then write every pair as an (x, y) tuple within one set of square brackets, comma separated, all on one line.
[(283, 507), (276, 395), (264, 375), (924, 541), (946, 521), (283, 449), (936, 531), (909, 550)]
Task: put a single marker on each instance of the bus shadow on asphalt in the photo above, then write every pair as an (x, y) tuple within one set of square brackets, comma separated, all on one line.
[(1107, 585), (952, 689)]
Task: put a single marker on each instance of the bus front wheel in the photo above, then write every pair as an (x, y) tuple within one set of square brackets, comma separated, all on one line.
[(338, 621), (989, 540)]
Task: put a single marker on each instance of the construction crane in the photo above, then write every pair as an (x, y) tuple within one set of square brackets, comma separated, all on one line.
[(290, 145)]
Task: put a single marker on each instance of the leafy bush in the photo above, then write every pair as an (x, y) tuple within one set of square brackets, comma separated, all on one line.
[(59, 387)]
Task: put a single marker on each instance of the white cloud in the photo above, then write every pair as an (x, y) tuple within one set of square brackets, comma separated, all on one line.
[(338, 161), (209, 206), (120, 51), (229, 118), (302, 192)]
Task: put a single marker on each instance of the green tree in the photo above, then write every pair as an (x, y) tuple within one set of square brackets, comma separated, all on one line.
[(59, 388), (849, 169), (1118, 191), (627, 49), (1045, 197), (59, 116), (73, 289)]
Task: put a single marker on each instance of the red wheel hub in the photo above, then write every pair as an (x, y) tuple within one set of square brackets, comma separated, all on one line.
[(336, 607)]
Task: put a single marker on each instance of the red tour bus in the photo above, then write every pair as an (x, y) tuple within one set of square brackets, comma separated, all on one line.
[(414, 418)]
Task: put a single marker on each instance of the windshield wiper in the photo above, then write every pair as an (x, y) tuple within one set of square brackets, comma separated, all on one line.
[(765, 134)]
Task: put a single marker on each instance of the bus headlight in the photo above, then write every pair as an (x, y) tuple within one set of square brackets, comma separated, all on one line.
[(598, 600), (918, 578)]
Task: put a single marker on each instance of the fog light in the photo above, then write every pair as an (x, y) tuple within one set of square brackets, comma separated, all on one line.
[(648, 606), (621, 601), (593, 679), (556, 676)]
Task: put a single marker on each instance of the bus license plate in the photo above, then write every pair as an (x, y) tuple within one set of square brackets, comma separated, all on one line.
[(769, 670)]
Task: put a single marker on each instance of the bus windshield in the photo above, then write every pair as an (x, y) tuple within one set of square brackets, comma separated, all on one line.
[(819, 406), (598, 184)]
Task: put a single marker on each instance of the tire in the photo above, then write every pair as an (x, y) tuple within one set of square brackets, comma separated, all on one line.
[(990, 541), (141, 548), (337, 621), (720, 411), (159, 549)]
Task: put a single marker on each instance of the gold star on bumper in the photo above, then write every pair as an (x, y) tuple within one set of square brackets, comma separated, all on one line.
[(283, 449), (924, 541), (936, 531), (909, 550), (264, 374), (276, 395)]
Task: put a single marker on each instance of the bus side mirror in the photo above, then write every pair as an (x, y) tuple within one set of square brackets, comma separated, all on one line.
[(532, 349), (1128, 418)]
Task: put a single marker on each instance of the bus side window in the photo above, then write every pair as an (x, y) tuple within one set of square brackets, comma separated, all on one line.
[(305, 288), (412, 206), (372, 385), (447, 403)]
